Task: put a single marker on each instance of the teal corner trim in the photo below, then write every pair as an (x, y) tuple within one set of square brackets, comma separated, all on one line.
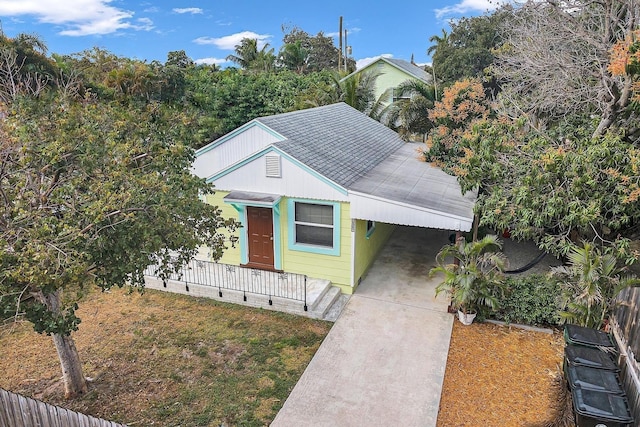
[(244, 239), (238, 131), (371, 230), (335, 250), (242, 217), (277, 237), (293, 160)]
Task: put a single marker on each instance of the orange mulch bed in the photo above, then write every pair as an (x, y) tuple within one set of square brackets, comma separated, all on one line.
[(501, 376)]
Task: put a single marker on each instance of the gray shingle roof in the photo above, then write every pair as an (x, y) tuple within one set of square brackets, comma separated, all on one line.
[(408, 67), (337, 141)]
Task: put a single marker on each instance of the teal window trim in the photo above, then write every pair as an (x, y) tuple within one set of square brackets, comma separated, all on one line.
[(370, 230), (241, 208), (291, 226)]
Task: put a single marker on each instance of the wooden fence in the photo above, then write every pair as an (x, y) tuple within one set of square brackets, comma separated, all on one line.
[(626, 328), (20, 411)]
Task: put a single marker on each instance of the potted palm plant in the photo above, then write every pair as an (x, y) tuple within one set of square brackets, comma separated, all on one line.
[(474, 279)]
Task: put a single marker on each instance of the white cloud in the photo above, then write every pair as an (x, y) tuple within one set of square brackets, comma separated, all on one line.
[(191, 10), (466, 6), (361, 63), (145, 24), (210, 61), (78, 17), (231, 41)]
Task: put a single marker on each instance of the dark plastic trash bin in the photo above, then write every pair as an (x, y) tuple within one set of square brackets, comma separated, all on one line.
[(592, 379), (577, 355), (599, 409), (579, 335)]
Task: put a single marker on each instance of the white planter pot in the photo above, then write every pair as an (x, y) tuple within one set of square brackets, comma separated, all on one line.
[(466, 319)]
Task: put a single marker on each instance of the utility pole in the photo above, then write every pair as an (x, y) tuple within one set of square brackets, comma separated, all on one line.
[(340, 47), (346, 50)]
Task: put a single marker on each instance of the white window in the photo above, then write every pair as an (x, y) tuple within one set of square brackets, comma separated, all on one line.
[(314, 224), (398, 95)]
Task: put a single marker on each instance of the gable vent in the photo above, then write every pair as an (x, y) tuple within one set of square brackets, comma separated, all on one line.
[(273, 166)]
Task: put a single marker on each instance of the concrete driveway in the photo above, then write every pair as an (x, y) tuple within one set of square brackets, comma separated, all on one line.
[(383, 362)]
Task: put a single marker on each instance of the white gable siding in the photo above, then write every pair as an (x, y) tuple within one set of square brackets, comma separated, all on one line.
[(232, 150), (296, 181), (371, 208)]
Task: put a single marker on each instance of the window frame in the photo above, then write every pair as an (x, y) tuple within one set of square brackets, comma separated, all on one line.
[(307, 247), (370, 228)]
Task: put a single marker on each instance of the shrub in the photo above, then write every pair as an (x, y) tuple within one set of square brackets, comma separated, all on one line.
[(530, 300)]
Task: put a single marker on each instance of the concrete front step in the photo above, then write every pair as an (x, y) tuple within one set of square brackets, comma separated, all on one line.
[(323, 305)]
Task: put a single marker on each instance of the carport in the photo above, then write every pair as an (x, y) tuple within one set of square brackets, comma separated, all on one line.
[(384, 360)]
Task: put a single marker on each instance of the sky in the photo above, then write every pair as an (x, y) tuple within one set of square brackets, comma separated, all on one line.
[(208, 30)]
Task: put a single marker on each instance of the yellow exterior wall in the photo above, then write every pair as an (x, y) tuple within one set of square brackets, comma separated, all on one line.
[(390, 77), (330, 267), (232, 254), (337, 269), (368, 248)]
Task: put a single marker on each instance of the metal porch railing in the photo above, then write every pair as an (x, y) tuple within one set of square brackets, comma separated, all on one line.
[(249, 281)]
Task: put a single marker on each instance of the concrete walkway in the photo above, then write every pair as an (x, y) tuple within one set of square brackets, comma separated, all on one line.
[(383, 362)]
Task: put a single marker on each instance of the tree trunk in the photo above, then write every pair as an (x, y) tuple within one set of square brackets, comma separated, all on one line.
[(74, 382)]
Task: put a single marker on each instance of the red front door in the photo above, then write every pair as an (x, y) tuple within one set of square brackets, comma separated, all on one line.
[(260, 236)]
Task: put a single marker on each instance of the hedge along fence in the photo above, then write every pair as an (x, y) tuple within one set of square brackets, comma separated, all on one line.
[(20, 411), (626, 328)]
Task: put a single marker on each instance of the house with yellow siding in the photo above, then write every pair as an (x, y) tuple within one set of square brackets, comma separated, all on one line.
[(319, 191), (391, 73)]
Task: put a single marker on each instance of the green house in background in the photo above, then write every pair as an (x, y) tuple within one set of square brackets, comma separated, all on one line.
[(391, 73), (319, 192)]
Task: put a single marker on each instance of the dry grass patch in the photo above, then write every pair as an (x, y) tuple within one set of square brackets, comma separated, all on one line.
[(167, 360)]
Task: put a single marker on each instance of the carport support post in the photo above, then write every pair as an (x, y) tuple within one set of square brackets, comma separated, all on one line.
[(476, 220), (456, 261)]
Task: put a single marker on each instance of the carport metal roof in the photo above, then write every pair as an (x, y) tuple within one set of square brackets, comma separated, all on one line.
[(404, 190)]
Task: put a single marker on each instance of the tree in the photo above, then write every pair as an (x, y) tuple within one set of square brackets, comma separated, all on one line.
[(179, 58), (463, 105), (294, 57), (555, 58), (248, 56), (91, 194), (409, 114), (591, 281), (438, 42), (322, 53), (472, 281), (24, 67), (625, 61), (554, 187), (467, 50), (358, 91), (226, 99), (135, 79)]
